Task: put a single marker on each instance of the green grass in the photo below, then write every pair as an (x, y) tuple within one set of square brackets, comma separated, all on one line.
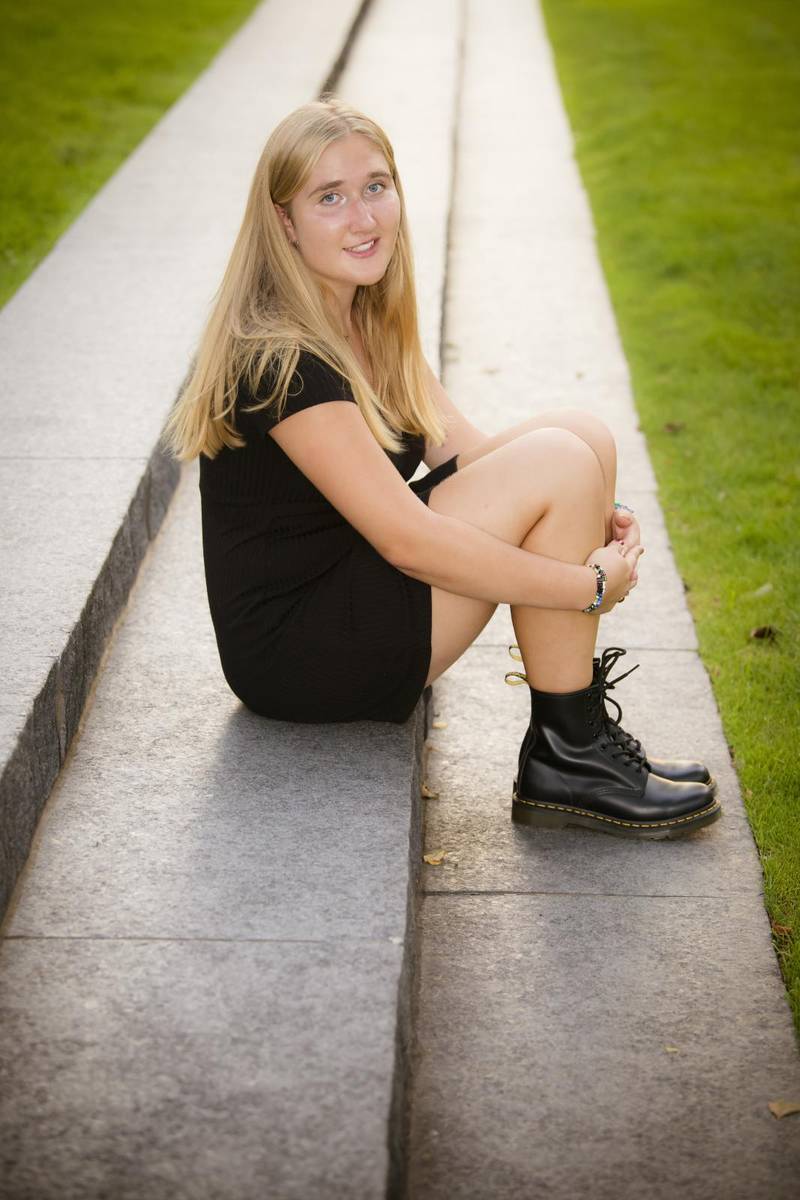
[(686, 118), (82, 84)]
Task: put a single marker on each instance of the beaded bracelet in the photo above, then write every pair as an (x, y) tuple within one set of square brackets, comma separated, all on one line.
[(624, 507), (601, 587)]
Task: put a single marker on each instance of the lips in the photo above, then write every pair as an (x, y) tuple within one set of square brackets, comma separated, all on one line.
[(363, 249)]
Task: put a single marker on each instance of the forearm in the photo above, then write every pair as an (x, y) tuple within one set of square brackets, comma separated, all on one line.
[(459, 557)]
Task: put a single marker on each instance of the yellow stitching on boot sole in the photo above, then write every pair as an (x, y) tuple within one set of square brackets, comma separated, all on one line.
[(582, 812)]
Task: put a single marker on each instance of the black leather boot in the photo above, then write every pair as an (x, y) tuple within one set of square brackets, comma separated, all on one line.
[(572, 771), (682, 770)]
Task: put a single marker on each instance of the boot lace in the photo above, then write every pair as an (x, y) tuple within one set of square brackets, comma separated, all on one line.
[(611, 726)]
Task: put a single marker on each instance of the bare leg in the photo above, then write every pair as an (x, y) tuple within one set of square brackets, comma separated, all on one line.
[(544, 491), (586, 425), (557, 646)]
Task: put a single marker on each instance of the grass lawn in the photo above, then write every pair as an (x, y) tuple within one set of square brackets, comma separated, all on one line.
[(82, 84), (686, 118)]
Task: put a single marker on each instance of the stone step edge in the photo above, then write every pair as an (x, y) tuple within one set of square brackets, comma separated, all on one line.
[(399, 1117), (33, 765)]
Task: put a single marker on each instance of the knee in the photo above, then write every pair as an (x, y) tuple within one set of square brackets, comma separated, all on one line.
[(567, 454), (597, 434), (566, 468), (590, 429)]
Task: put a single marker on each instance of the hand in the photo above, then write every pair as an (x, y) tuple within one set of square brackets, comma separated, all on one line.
[(620, 567), (625, 528)]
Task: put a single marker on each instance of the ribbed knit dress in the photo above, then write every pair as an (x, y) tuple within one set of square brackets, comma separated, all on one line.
[(312, 624)]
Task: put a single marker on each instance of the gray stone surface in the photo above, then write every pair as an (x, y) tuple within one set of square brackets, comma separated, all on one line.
[(596, 1017), (610, 1047), (196, 1068), (48, 666), (119, 303), (182, 815), (474, 762)]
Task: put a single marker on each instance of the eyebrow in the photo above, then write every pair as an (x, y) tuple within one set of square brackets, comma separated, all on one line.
[(334, 183)]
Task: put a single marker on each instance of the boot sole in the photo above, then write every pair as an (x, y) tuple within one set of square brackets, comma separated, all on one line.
[(557, 816)]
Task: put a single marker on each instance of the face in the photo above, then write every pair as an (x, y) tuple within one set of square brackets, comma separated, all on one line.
[(346, 217)]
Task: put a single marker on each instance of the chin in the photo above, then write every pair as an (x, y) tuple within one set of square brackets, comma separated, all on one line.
[(367, 278)]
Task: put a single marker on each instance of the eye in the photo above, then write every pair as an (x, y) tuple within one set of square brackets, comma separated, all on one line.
[(322, 199), (376, 183)]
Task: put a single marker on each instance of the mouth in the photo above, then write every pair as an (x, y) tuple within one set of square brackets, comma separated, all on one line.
[(363, 249)]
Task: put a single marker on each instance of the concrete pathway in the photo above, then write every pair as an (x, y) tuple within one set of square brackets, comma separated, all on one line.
[(598, 1018)]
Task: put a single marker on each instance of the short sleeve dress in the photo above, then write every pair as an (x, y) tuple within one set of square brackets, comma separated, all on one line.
[(311, 623)]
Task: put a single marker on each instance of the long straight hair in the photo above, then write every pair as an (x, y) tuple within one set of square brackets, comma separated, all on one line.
[(269, 307)]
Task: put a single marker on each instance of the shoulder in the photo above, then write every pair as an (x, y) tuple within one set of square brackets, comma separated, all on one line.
[(313, 373), (312, 382)]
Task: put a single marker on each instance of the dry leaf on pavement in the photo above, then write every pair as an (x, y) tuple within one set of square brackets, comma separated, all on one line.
[(435, 858), (783, 1108)]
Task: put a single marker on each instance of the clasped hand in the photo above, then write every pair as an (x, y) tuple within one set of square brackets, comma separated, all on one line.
[(619, 559)]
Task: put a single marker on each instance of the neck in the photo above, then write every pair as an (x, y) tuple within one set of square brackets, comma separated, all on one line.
[(339, 299)]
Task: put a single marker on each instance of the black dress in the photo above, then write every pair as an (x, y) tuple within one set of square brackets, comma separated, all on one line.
[(312, 624)]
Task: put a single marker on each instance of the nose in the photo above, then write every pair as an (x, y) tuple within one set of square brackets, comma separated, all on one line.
[(361, 216)]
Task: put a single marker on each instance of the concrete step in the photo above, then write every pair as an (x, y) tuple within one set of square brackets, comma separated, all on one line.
[(597, 1017), (204, 969), (207, 967), (94, 348)]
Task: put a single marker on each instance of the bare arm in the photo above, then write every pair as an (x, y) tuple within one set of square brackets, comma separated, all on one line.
[(459, 557), (462, 436), (333, 447)]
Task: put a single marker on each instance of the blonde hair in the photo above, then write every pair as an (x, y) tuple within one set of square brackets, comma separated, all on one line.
[(269, 307)]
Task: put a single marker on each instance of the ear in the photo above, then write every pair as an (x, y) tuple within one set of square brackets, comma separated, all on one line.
[(287, 223)]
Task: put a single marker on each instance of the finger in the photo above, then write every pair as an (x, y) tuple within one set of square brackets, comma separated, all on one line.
[(631, 530)]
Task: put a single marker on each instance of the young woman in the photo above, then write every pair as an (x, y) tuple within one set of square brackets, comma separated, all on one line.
[(338, 590)]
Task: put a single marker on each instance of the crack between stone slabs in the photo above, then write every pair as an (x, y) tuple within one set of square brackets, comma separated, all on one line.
[(455, 150), (404, 1087), (335, 73), (724, 896)]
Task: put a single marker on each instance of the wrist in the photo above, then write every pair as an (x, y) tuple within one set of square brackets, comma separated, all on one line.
[(599, 581)]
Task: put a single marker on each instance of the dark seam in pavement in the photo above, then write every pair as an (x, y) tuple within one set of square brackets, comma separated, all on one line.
[(723, 896)]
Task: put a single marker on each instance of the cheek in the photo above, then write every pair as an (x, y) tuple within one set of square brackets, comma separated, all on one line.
[(323, 229), (390, 212)]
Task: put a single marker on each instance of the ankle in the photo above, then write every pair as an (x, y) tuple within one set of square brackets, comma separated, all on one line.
[(561, 683)]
